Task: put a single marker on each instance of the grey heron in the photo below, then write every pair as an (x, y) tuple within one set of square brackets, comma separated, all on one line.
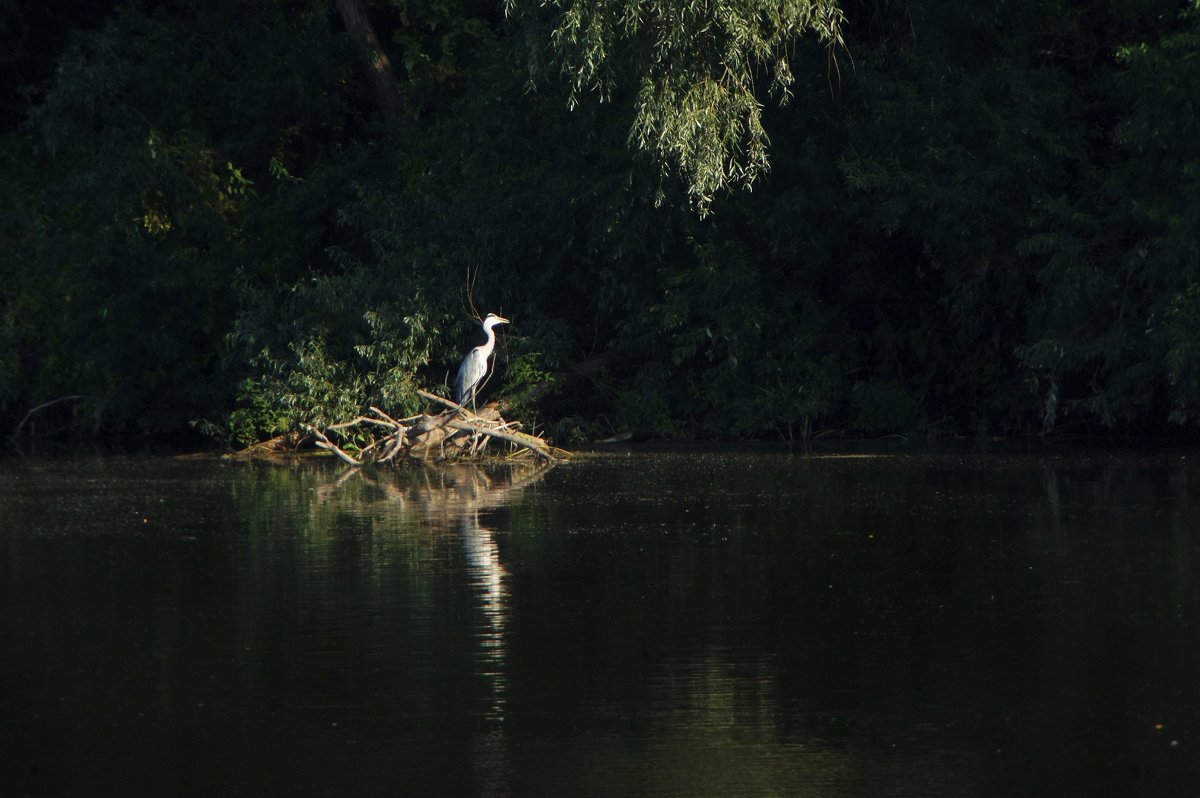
[(475, 364)]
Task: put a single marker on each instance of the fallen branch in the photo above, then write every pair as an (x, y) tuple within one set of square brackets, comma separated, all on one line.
[(455, 432), (433, 397), (534, 444), (324, 443)]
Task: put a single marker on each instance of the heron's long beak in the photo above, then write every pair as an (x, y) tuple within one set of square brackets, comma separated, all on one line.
[(502, 320)]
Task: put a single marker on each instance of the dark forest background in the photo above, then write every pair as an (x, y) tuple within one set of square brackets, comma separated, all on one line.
[(979, 218)]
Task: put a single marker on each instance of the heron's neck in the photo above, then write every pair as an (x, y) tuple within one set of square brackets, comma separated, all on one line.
[(490, 343)]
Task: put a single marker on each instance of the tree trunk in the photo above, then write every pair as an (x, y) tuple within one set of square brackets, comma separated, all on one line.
[(374, 59)]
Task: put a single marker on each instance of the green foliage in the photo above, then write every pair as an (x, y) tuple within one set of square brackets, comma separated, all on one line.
[(1181, 334), (311, 387), (155, 188), (260, 415), (645, 412), (526, 380), (883, 407), (327, 348), (332, 376), (695, 67), (986, 225), (1119, 257)]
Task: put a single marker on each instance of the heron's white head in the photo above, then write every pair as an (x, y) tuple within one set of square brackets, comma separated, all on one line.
[(492, 320)]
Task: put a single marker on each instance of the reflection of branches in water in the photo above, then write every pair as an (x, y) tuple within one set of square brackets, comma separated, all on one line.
[(437, 498)]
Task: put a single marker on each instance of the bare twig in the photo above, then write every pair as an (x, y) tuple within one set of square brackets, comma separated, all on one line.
[(391, 420), (433, 397), (17, 429), (325, 443), (364, 420)]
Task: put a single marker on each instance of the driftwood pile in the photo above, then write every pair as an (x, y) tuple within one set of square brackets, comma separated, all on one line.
[(454, 433)]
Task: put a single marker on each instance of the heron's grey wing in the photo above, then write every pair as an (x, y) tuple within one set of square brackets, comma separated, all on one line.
[(469, 374)]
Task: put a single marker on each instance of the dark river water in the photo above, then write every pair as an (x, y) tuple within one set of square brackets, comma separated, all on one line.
[(680, 624)]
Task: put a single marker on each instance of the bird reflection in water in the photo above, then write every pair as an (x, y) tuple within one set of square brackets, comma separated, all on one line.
[(489, 578), (452, 499)]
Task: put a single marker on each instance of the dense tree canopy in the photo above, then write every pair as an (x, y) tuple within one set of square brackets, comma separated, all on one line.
[(976, 219)]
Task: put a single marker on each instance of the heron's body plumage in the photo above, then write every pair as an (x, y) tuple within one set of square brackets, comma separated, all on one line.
[(475, 365)]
